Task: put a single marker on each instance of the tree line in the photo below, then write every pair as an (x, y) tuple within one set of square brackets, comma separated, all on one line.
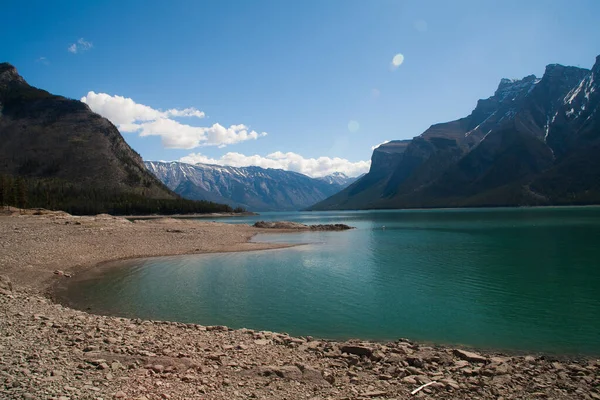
[(54, 194)]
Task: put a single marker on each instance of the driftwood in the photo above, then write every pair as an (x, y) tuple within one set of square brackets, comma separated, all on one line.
[(417, 390)]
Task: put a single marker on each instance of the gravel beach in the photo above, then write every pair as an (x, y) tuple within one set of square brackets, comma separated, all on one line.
[(49, 351)]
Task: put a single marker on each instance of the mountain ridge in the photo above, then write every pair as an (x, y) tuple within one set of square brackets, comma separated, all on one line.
[(508, 151), (254, 188), (65, 156)]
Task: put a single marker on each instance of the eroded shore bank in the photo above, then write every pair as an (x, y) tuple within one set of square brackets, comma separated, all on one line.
[(51, 351)]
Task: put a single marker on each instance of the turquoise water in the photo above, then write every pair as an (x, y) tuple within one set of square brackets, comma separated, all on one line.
[(518, 279)]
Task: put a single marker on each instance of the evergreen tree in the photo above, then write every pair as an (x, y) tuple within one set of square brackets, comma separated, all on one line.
[(2, 191), (21, 193)]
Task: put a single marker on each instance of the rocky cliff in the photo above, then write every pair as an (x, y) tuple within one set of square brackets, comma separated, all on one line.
[(534, 142)]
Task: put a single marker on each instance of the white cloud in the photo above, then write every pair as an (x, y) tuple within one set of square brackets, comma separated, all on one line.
[(80, 46), (42, 60), (397, 60), (130, 116), (314, 167), (377, 145)]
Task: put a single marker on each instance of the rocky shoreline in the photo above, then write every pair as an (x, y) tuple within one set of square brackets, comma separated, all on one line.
[(49, 351), (288, 225)]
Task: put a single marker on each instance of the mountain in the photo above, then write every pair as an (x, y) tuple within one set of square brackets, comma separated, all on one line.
[(534, 142), (253, 188), (339, 179), (63, 155)]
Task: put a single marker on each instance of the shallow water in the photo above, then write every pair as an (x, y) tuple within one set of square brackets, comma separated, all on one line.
[(518, 279)]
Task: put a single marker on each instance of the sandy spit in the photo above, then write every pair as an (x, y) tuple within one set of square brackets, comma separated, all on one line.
[(49, 351)]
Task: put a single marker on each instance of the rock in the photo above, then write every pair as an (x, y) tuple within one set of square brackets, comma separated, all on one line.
[(374, 393), (59, 272), (5, 283), (290, 372), (357, 350), (261, 342), (298, 226), (158, 368), (218, 328), (415, 362), (188, 378), (329, 377), (502, 369), (310, 374), (450, 383), (120, 395), (469, 356), (558, 366), (410, 380)]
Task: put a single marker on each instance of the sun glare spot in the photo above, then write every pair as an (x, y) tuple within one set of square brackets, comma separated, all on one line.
[(397, 60)]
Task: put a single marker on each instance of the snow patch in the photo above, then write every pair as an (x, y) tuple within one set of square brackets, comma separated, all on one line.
[(482, 122)]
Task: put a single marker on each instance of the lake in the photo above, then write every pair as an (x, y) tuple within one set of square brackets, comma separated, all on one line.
[(523, 279)]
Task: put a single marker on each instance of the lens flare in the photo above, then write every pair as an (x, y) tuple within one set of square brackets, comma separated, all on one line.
[(398, 60)]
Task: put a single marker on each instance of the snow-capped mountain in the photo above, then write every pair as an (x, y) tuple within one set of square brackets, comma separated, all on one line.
[(254, 188), (339, 178), (534, 142)]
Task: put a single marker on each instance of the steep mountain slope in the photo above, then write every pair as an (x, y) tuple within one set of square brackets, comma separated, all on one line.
[(68, 156), (254, 188), (525, 145)]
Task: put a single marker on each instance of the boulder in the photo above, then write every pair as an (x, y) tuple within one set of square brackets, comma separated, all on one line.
[(357, 350), (470, 356)]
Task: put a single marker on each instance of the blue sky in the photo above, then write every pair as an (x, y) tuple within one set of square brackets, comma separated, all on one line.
[(316, 76)]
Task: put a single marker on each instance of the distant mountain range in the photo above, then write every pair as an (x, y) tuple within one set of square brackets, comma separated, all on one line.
[(61, 155), (253, 188), (534, 142)]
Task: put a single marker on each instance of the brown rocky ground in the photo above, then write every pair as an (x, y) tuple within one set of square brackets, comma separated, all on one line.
[(48, 351)]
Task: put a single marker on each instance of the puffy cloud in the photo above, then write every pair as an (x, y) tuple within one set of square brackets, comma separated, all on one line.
[(314, 167), (130, 116), (80, 46)]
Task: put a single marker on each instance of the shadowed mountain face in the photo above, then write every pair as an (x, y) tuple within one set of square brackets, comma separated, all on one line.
[(56, 153), (254, 188), (51, 137), (534, 142)]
